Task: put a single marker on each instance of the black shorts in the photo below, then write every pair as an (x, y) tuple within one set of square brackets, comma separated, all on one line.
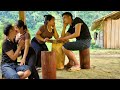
[(78, 44)]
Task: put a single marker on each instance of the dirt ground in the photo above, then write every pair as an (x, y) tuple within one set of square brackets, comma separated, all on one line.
[(105, 64)]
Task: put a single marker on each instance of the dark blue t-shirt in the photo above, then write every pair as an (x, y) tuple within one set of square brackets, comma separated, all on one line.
[(84, 34), (7, 46)]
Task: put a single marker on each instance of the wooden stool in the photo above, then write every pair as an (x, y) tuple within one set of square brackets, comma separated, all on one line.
[(84, 59), (60, 56), (48, 63)]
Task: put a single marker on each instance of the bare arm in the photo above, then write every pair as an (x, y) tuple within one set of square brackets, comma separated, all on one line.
[(55, 33), (77, 32), (38, 36), (63, 34), (27, 45)]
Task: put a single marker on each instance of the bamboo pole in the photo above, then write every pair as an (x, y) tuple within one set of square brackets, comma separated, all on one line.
[(22, 16)]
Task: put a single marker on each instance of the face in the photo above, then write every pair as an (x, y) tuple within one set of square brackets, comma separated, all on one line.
[(17, 29), (13, 32), (66, 19), (51, 22)]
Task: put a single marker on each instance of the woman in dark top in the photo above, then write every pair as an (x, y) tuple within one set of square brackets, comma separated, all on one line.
[(10, 52), (43, 35), (79, 30), (27, 52)]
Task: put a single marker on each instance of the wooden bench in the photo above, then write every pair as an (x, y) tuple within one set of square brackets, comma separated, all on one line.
[(48, 63)]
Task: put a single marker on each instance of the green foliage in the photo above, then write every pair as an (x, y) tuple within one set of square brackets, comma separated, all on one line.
[(1, 46), (34, 19)]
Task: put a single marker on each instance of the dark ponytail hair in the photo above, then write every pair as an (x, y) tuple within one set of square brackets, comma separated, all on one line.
[(48, 18), (7, 29), (20, 24)]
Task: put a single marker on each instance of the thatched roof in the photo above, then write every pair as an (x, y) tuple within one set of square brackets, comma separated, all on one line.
[(97, 23)]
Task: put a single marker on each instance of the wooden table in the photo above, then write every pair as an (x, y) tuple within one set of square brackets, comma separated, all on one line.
[(60, 56)]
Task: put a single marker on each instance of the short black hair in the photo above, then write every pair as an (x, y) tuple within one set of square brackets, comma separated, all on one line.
[(67, 13), (7, 29), (20, 24), (48, 18)]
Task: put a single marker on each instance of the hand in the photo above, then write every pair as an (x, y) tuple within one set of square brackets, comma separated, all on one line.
[(54, 27), (17, 38), (22, 62), (46, 39), (64, 25)]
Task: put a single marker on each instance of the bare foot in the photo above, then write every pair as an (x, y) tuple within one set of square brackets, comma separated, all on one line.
[(74, 68), (20, 73)]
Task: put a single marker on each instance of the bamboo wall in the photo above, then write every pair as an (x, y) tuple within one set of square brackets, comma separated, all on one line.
[(112, 33)]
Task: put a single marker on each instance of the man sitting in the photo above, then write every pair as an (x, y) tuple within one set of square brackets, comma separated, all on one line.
[(10, 52)]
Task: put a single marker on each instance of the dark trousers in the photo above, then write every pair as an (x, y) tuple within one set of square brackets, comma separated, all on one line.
[(38, 48), (31, 61)]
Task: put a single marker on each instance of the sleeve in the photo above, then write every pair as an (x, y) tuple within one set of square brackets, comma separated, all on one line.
[(6, 47), (77, 20), (27, 36), (41, 28), (70, 31)]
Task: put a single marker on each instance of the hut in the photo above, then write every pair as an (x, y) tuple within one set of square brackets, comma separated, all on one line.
[(108, 30)]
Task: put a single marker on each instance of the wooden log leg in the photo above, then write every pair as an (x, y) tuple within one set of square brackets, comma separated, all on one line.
[(85, 59), (48, 63)]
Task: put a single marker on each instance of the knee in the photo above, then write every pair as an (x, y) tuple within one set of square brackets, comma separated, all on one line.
[(63, 48)]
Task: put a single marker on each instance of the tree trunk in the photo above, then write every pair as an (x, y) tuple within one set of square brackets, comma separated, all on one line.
[(48, 61)]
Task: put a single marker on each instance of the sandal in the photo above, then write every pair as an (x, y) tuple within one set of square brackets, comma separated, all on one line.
[(68, 66), (74, 68)]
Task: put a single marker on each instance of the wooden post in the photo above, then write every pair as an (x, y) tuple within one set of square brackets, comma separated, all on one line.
[(119, 31), (105, 34), (115, 43), (108, 32), (113, 34), (22, 16), (48, 63), (84, 59)]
